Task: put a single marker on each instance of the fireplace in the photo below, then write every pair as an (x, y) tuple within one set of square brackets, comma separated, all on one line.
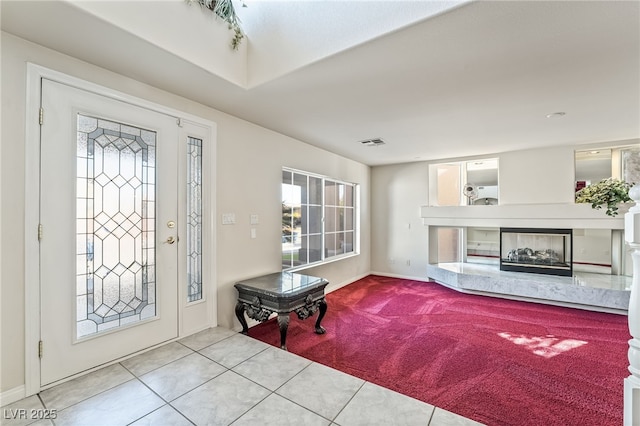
[(537, 250)]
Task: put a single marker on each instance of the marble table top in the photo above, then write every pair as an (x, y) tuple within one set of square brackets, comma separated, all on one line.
[(281, 283)]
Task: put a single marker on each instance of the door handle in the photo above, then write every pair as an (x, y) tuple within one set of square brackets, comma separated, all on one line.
[(171, 240)]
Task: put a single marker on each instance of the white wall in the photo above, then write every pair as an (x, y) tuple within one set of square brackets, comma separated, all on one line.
[(250, 159), (537, 176), (398, 192)]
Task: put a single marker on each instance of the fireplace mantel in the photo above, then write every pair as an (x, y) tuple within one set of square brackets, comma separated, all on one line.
[(561, 215)]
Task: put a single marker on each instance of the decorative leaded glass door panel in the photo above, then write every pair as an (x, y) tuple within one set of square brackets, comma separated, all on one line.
[(109, 184)]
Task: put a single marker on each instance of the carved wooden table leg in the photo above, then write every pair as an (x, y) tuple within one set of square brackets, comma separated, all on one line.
[(283, 324), (323, 310), (240, 315), (281, 293)]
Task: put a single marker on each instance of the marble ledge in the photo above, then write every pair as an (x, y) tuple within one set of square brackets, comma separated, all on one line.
[(584, 290), (558, 215)]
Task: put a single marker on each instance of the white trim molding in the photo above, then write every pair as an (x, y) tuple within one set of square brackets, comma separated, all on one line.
[(562, 215), (35, 74), (12, 395)]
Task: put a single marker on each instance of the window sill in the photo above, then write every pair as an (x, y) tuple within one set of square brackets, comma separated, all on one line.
[(321, 263)]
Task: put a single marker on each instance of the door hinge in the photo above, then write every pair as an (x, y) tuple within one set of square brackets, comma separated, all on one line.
[(179, 122), (41, 116), (39, 232), (40, 349)]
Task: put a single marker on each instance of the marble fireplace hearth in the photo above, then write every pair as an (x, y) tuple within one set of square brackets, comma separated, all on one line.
[(592, 291)]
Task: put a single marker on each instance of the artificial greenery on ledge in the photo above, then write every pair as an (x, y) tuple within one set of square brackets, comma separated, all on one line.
[(224, 10), (608, 192)]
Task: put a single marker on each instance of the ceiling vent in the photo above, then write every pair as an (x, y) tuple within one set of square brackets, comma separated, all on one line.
[(372, 142)]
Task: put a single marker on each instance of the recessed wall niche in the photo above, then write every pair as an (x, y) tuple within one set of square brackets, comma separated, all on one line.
[(461, 183), (594, 250), (595, 164), (483, 245)]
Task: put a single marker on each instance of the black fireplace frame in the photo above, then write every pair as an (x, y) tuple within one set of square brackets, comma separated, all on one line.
[(563, 268)]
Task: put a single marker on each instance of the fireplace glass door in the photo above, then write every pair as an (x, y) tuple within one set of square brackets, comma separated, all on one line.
[(542, 251)]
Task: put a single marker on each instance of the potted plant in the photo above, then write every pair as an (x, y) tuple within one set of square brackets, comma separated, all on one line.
[(224, 10), (608, 192)]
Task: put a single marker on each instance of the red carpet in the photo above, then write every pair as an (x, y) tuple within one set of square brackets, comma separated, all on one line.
[(499, 362)]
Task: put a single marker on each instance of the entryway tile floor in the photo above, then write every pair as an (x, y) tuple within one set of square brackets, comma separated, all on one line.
[(220, 377)]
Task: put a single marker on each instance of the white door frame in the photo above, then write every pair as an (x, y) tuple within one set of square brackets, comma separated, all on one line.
[(190, 126)]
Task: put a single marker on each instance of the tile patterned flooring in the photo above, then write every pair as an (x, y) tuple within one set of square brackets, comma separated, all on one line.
[(220, 377)]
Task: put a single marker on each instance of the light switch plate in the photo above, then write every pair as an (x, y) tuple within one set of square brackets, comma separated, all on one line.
[(254, 219), (228, 218)]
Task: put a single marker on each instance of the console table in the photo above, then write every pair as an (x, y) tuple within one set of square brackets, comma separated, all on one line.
[(281, 293)]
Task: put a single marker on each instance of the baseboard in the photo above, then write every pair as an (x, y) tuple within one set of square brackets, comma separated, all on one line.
[(333, 287), (405, 277), (12, 395)]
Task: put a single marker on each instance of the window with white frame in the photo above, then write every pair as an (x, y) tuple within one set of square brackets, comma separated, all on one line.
[(318, 218)]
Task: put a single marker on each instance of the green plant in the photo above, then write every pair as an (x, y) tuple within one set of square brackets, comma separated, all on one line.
[(608, 192), (224, 10)]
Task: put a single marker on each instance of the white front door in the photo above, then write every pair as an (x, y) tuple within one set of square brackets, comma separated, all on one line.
[(108, 211)]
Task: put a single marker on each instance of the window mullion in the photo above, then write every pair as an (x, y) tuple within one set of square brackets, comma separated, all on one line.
[(315, 198)]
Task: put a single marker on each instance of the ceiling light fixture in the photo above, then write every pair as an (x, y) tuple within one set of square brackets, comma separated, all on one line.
[(556, 114)]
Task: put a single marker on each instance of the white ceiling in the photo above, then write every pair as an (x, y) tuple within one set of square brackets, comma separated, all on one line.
[(477, 79)]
